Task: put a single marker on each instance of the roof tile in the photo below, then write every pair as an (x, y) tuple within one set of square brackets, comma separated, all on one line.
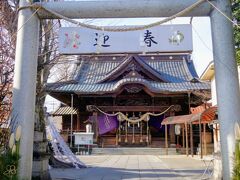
[(177, 71)]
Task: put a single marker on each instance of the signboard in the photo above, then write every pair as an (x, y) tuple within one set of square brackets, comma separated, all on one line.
[(83, 138), (165, 38)]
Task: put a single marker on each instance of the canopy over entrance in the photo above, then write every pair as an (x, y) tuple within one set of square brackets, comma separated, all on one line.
[(203, 117), (198, 117)]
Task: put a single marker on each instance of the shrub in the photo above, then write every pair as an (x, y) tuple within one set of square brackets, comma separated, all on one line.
[(236, 171)]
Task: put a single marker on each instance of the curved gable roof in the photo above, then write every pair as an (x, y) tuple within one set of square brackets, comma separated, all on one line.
[(134, 63), (107, 74)]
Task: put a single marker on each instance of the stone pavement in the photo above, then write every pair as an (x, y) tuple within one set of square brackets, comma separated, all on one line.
[(133, 167)]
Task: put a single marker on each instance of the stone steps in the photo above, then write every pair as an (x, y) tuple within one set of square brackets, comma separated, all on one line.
[(133, 151)]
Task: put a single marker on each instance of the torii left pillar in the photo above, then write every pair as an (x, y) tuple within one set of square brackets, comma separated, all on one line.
[(24, 85)]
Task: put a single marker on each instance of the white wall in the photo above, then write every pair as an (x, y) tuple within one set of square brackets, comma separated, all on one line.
[(213, 92)]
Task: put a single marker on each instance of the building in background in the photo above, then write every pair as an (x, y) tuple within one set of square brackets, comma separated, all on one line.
[(209, 75), (134, 85)]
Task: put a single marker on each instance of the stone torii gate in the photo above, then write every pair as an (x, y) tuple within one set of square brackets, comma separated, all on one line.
[(27, 52)]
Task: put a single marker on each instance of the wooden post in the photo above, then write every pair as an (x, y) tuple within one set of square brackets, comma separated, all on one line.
[(96, 126), (71, 130), (147, 134), (204, 139), (141, 137), (126, 133), (119, 131), (189, 102), (166, 139), (172, 132), (191, 138), (78, 120), (183, 137), (116, 139), (186, 128), (200, 136), (216, 131), (133, 136)]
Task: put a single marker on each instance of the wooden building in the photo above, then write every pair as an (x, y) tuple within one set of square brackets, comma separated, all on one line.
[(133, 85)]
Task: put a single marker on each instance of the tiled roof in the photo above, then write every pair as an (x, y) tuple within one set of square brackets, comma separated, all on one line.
[(113, 87), (66, 110), (176, 72)]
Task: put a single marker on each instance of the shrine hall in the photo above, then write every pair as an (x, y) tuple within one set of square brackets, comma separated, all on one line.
[(126, 96)]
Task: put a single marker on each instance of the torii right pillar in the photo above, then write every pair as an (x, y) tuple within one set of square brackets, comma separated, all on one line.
[(227, 83)]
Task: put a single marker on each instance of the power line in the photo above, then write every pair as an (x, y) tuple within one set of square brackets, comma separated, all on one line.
[(203, 42)]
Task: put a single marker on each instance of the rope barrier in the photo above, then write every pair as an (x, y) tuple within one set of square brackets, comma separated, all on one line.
[(123, 117), (35, 12), (117, 29)]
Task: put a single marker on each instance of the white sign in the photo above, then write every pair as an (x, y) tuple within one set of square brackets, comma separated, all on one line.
[(83, 138), (165, 38)]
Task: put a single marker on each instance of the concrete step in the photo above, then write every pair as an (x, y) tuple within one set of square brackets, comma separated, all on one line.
[(133, 151)]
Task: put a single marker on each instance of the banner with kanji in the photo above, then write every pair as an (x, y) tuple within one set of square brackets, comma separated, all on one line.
[(164, 38)]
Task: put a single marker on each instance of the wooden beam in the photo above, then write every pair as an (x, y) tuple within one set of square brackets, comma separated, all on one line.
[(133, 108)]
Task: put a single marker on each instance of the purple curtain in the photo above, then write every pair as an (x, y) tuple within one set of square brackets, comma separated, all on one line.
[(155, 121), (107, 123)]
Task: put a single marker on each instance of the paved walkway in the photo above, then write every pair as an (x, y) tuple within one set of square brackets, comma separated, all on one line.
[(133, 167)]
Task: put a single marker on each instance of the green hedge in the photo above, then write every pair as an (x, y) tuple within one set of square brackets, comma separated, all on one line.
[(236, 171), (9, 165)]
